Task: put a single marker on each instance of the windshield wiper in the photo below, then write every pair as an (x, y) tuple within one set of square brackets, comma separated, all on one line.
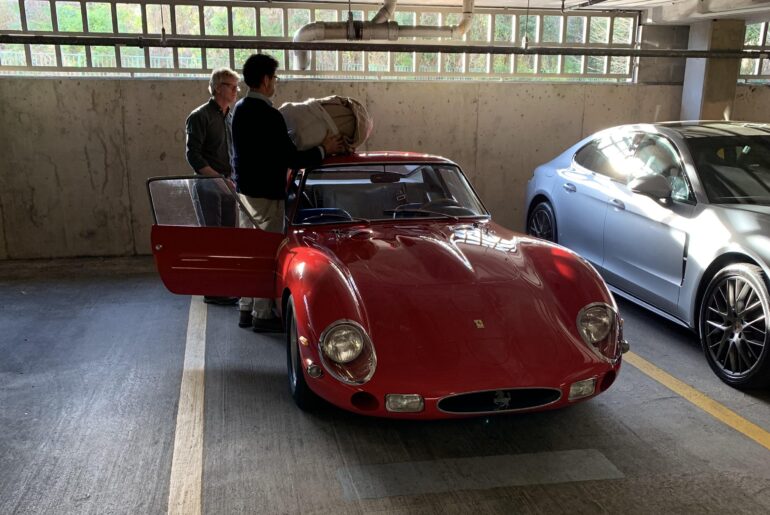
[(425, 212), (338, 218)]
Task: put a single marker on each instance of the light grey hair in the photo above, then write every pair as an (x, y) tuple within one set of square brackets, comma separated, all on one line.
[(218, 75)]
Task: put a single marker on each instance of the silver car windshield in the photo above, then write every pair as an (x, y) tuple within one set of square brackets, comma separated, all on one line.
[(383, 192), (733, 169)]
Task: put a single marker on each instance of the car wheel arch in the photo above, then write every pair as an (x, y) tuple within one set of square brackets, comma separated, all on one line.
[(285, 296), (537, 201), (722, 261)]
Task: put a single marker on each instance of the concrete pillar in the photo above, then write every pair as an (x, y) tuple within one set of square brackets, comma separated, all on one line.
[(709, 84), (662, 70)]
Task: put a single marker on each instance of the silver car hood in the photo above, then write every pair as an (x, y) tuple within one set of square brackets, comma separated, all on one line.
[(750, 209)]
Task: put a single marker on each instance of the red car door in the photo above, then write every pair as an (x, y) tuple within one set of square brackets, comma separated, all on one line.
[(193, 259)]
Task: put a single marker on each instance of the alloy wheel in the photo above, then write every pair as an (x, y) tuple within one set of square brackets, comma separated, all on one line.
[(735, 326), (541, 223)]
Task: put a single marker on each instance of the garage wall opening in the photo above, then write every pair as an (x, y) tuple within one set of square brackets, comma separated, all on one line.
[(218, 20)]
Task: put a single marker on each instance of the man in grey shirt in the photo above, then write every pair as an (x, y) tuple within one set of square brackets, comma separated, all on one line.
[(209, 150)]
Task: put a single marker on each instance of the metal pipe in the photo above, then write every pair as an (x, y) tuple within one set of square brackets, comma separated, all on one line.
[(385, 12), (588, 3), (266, 44), (378, 28)]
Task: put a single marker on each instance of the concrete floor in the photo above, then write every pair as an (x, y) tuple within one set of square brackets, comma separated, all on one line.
[(91, 358)]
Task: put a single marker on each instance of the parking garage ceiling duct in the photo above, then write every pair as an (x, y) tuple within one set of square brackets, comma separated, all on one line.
[(379, 28)]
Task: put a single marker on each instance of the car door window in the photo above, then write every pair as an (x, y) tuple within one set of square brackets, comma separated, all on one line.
[(656, 155), (197, 201), (606, 155)]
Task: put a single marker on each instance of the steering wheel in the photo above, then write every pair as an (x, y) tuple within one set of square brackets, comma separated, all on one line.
[(441, 202)]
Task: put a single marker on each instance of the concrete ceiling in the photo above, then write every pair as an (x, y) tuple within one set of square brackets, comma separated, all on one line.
[(653, 11)]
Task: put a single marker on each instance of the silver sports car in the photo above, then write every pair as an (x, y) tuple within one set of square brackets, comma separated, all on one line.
[(676, 217)]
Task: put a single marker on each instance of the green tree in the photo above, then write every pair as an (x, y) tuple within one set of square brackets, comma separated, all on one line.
[(215, 20), (753, 34), (68, 17), (100, 18), (552, 29), (187, 20), (129, 18), (503, 27), (600, 30), (298, 18), (9, 15), (271, 22), (576, 29), (38, 15), (244, 21), (621, 32)]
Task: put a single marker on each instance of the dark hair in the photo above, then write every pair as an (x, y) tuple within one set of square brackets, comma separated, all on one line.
[(257, 67)]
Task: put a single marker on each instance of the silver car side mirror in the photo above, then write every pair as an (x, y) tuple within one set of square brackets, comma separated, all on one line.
[(653, 185)]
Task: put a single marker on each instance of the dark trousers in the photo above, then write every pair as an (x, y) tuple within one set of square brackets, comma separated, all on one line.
[(214, 207)]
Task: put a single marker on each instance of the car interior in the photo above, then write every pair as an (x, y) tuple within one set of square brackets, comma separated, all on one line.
[(378, 193)]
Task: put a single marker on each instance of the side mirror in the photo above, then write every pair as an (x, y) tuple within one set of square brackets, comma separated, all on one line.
[(655, 186)]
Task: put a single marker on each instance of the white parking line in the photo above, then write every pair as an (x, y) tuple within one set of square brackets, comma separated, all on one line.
[(184, 495)]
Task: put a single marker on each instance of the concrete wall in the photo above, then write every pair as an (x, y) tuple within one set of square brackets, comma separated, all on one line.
[(752, 103), (76, 152), (662, 70)]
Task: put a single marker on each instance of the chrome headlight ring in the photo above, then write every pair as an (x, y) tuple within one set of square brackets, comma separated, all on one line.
[(353, 366), (597, 324)]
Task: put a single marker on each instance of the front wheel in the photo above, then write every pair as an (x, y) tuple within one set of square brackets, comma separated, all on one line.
[(734, 326), (542, 222), (303, 396)]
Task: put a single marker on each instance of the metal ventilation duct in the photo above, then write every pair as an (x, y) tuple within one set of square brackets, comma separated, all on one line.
[(378, 28)]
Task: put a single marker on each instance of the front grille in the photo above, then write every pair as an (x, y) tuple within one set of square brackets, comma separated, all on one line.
[(499, 400)]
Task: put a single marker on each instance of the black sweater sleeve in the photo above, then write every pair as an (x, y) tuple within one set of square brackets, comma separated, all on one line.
[(263, 150)]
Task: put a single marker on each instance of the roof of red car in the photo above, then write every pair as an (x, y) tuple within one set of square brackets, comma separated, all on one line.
[(385, 156)]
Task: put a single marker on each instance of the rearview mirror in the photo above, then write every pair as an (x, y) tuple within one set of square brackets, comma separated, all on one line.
[(655, 186), (385, 177)]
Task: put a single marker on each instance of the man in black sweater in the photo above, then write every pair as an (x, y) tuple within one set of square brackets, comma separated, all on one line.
[(263, 153)]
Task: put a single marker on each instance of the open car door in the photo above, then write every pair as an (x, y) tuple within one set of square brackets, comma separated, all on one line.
[(196, 257)]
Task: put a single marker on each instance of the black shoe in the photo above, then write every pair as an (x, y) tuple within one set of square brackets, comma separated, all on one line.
[(221, 301), (245, 320), (267, 325)]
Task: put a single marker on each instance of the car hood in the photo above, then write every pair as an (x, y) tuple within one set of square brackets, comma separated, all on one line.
[(747, 209), (465, 307)]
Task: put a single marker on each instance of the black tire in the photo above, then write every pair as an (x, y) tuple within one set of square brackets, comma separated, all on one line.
[(303, 396), (542, 222), (734, 326)]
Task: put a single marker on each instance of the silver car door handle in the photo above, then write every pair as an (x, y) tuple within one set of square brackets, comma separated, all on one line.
[(617, 203), (569, 187)]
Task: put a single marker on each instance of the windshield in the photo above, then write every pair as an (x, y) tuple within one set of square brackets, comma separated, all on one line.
[(385, 192), (733, 169)]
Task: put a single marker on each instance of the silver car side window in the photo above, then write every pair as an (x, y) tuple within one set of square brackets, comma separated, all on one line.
[(655, 155), (607, 155)]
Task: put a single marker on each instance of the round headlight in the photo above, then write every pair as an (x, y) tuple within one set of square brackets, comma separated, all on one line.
[(343, 343), (594, 322)]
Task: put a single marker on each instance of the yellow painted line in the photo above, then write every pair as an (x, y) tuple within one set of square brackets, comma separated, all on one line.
[(184, 495), (701, 400)]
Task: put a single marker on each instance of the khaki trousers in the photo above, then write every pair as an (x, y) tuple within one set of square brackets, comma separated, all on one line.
[(269, 215)]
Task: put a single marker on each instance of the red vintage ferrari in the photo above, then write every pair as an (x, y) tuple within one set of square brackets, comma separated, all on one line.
[(399, 296)]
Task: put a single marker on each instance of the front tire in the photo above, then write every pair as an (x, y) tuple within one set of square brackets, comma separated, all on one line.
[(542, 222), (734, 326), (303, 396)]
